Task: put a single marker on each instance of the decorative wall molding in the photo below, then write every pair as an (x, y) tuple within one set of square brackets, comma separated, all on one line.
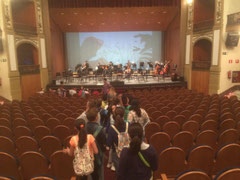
[(21, 40), (190, 17), (218, 12), (207, 35), (7, 14), (39, 16)]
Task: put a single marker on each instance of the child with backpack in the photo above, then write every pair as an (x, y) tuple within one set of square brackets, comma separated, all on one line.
[(118, 135), (83, 147), (97, 131), (139, 160)]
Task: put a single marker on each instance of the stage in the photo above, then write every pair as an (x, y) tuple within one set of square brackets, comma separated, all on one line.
[(120, 82)]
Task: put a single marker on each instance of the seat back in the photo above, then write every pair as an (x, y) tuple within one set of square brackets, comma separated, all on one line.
[(228, 136), (171, 128), (201, 157), (183, 140), (193, 174), (150, 129), (228, 156), (33, 164), (26, 143), (159, 141), (50, 144), (207, 137), (171, 161), (228, 174), (7, 145), (61, 165), (8, 166)]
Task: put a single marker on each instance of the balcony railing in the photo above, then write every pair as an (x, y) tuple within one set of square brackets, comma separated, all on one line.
[(203, 25), (201, 65), (29, 69), (25, 28)]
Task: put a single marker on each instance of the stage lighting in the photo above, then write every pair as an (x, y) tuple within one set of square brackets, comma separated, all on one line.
[(189, 1)]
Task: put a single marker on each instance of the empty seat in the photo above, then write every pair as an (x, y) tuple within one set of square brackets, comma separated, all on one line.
[(183, 140), (61, 117), (26, 143), (191, 126), (171, 128), (156, 114), (61, 165), (40, 132), (19, 122), (52, 123), (207, 137), (161, 120), (22, 131), (171, 114), (159, 141), (43, 178), (69, 122), (228, 136), (5, 122), (9, 166), (33, 164), (209, 125), (201, 157), (50, 144), (228, 174), (5, 131), (150, 129), (35, 122), (196, 117), (193, 175), (61, 132), (7, 145), (228, 156), (227, 124), (180, 119), (171, 161)]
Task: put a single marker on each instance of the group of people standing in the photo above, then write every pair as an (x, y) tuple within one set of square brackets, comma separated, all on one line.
[(116, 124)]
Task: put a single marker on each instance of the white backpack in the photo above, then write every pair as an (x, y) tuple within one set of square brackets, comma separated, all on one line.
[(123, 140), (83, 163)]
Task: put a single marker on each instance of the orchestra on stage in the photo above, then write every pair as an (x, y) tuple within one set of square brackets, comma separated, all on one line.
[(130, 68)]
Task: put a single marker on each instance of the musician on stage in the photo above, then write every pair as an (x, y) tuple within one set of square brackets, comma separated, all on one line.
[(157, 68), (85, 67)]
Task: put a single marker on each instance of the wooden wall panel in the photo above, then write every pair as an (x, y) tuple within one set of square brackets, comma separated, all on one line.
[(203, 10), (30, 84), (57, 49), (200, 81), (172, 42), (24, 13)]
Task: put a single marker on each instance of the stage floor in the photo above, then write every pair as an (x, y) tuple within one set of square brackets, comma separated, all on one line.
[(98, 81)]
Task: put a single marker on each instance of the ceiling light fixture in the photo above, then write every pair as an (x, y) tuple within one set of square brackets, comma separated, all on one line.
[(69, 24), (189, 1)]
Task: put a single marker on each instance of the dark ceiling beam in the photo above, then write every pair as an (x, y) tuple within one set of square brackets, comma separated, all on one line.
[(111, 3)]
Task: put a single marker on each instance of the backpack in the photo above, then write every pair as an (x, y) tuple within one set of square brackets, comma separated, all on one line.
[(123, 140), (83, 163), (98, 157)]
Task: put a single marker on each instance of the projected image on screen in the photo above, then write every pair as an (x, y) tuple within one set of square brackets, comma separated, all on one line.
[(118, 47)]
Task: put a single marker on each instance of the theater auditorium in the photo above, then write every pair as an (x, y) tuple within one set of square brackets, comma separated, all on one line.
[(119, 89)]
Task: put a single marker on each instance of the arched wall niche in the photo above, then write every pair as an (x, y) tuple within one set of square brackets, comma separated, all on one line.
[(27, 54), (202, 50)]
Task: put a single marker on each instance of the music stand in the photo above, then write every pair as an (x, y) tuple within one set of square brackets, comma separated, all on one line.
[(141, 64), (134, 66)]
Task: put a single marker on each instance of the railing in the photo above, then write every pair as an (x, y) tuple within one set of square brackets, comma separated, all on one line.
[(203, 25), (25, 28), (29, 69), (201, 65)]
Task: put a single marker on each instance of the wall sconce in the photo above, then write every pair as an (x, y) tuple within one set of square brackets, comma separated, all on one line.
[(189, 1)]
